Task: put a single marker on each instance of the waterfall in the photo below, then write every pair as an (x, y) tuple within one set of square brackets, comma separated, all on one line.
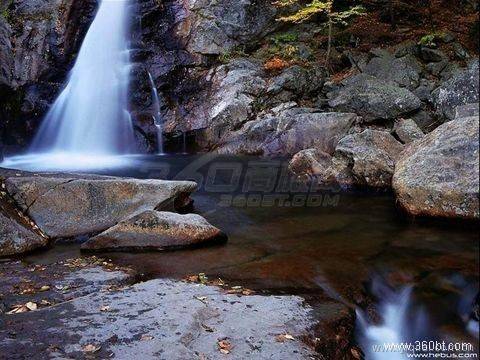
[(89, 117), (157, 116), (400, 322)]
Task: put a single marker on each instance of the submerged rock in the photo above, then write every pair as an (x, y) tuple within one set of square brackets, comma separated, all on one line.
[(461, 89), (372, 155), (438, 175), (17, 239), (321, 167), (373, 99), (154, 230), (66, 207)]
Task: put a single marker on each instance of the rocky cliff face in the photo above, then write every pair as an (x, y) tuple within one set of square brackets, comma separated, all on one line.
[(179, 44)]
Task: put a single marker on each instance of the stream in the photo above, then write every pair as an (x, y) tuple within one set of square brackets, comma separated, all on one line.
[(408, 279)]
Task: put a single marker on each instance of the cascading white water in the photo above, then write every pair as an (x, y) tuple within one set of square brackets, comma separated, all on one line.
[(89, 124), (396, 327), (89, 115), (157, 116)]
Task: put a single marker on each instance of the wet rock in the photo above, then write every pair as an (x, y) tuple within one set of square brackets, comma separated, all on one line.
[(229, 102), (174, 320), (372, 155), (373, 99), (286, 132), (154, 230), (461, 89), (438, 175), (404, 71), (71, 206), (309, 162), (17, 239), (407, 130), (319, 166), (53, 283)]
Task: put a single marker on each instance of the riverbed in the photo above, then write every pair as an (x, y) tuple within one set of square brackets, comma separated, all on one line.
[(287, 237)]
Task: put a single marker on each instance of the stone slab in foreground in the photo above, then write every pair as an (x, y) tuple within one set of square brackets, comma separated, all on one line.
[(439, 175), (156, 230), (163, 319), (71, 206)]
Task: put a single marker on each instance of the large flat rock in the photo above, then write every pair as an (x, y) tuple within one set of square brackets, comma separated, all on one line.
[(156, 230), (438, 175), (67, 206), (163, 319)]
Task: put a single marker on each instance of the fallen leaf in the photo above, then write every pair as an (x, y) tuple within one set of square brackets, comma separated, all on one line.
[(284, 337), (17, 309), (248, 292), (31, 306), (91, 348), (207, 328), (202, 278), (203, 299), (224, 346), (146, 337), (192, 278), (44, 288)]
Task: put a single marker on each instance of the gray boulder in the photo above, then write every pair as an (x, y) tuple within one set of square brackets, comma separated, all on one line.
[(438, 175), (154, 230), (467, 110), (286, 132), (407, 130), (67, 207), (405, 71), (373, 99), (372, 155), (428, 54), (298, 81), (462, 88), (321, 167), (228, 103), (17, 239), (215, 27)]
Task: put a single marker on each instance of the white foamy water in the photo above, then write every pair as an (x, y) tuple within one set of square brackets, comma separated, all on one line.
[(157, 116), (89, 119), (396, 325)]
